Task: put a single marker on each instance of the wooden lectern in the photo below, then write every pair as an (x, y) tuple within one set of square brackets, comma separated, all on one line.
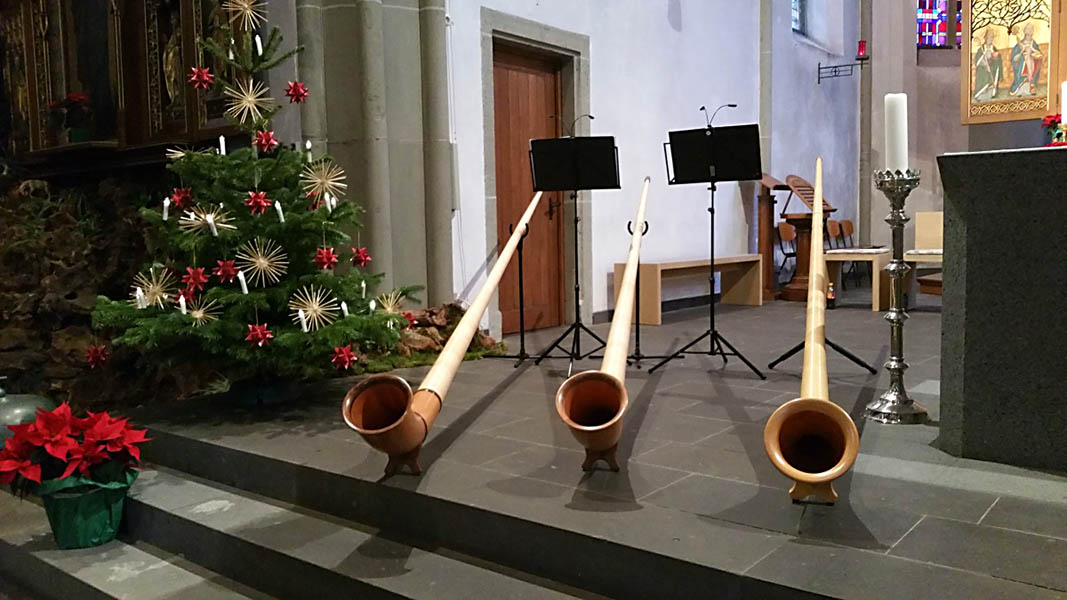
[(797, 288), (768, 185)]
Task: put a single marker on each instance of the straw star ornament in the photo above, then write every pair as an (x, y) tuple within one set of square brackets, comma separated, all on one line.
[(321, 178), (197, 221), (156, 286), (249, 13), (264, 259), (249, 100), (204, 312), (320, 308)]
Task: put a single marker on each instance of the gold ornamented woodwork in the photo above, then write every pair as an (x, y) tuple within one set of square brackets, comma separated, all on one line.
[(1012, 60), (130, 56)]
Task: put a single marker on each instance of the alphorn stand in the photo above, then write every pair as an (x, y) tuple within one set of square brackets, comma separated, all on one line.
[(521, 356), (839, 349), (696, 161), (574, 164)]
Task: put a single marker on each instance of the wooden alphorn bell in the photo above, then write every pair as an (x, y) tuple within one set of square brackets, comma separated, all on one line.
[(383, 409), (810, 439), (592, 403)]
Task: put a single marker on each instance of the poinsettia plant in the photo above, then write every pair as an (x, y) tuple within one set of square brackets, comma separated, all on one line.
[(1055, 133), (59, 451)]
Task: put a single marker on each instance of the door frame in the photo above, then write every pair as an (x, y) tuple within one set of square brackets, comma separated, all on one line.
[(571, 51)]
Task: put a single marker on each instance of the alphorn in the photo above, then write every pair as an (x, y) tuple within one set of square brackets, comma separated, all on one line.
[(382, 408), (810, 439), (592, 403)]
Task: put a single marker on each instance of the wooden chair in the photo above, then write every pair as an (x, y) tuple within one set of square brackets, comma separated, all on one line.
[(848, 241), (787, 243), (833, 240)]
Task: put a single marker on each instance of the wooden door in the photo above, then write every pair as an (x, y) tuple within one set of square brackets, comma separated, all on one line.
[(526, 106)]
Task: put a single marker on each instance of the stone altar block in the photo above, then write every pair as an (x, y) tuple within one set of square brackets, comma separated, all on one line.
[(1004, 308)]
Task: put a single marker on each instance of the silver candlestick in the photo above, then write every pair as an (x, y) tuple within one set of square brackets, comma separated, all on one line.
[(894, 406)]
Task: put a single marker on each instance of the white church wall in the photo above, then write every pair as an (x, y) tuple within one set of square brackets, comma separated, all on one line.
[(652, 65), (810, 119)]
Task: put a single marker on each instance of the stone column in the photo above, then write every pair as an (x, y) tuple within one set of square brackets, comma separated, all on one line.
[(863, 217), (373, 191), (437, 151), (309, 69)]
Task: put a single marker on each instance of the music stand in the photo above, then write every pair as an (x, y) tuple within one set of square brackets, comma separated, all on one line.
[(710, 155), (574, 164)]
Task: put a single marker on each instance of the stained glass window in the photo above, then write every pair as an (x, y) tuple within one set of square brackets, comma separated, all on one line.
[(937, 25), (798, 16)]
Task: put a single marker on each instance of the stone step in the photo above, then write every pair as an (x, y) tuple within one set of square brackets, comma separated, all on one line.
[(612, 554), (292, 552), (30, 558)]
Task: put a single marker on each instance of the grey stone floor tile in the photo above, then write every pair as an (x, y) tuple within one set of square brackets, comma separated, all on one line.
[(732, 501), (1043, 518), (920, 498), (467, 448), (865, 575), (727, 455), (1018, 556), (855, 522), (561, 466)]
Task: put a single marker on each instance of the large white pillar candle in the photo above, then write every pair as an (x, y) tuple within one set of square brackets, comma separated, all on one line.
[(896, 132), (1063, 100)]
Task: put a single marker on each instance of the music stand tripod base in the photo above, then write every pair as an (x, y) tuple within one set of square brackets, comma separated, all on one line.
[(840, 350)]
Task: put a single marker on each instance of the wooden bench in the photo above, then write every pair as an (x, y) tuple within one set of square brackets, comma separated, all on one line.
[(879, 259), (739, 280)]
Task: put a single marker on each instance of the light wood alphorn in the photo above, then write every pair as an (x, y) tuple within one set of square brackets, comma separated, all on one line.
[(382, 408), (592, 403), (810, 439)]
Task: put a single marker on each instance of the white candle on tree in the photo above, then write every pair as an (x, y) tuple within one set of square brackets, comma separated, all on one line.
[(307, 145), (210, 218), (181, 305), (896, 132), (222, 144), (363, 289), (344, 308), (303, 320), (259, 45), (141, 301), (244, 283), (166, 208), (278, 207)]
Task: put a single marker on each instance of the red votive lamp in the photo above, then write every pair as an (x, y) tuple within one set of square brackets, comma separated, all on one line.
[(861, 50)]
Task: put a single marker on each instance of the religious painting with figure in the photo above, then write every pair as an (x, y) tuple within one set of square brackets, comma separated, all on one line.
[(1009, 58)]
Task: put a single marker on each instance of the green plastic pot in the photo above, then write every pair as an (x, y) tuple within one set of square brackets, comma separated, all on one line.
[(84, 513)]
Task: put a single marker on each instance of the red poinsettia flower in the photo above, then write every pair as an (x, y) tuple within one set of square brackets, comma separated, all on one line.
[(194, 278), (51, 431), (128, 440), (201, 78), (15, 460), (1051, 120), (180, 196), (325, 258), (225, 271), (257, 202), (78, 97), (411, 319), (360, 256), (259, 335), (297, 92), (83, 457), (97, 355), (265, 141), (343, 357)]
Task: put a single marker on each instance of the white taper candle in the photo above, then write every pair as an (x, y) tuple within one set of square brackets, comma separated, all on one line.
[(896, 132), (210, 218), (303, 320), (181, 305), (259, 45), (222, 144), (244, 283), (344, 308), (307, 145), (166, 208), (278, 207)]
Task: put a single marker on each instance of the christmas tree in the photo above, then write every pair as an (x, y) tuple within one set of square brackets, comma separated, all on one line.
[(246, 247)]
